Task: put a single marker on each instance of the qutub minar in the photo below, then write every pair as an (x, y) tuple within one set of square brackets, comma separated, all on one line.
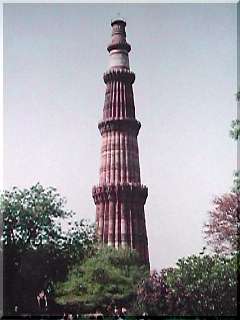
[(120, 196)]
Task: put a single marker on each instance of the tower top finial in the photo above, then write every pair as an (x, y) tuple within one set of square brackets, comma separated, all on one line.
[(118, 19), (119, 48)]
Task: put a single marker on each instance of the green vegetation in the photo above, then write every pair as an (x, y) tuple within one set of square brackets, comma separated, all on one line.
[(235, 134), (36, 250), (39, 254), (198, 285), (109, 277)]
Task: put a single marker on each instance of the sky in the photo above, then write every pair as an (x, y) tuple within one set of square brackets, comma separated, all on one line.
[(184, 57)]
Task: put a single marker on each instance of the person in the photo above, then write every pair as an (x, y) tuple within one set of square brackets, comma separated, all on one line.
[(116, 310), (123, 312), (42, 301), (109, 310), (65, 316), (145, 315), (118, 315)]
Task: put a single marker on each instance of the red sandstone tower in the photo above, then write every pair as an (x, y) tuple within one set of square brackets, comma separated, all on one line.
[(120, 196)]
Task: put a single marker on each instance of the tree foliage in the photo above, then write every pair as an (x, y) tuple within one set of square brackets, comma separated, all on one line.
[(37, 252), (221, 231), (30, 217), (236, 182), (235, 129), (110, 276), (198, 285), (235, 134)]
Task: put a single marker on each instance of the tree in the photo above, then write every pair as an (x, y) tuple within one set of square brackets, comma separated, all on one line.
[(110, 276), (79, 242), (235, 134), (236, 182), (200, 285), (235, 129), (152, 295), (31, 217), (36, 250), (221, 231)]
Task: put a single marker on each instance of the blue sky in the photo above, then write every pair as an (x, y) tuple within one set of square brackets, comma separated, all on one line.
[(184, 57)]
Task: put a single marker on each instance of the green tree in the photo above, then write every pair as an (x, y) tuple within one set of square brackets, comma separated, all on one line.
[(109, 277), (235, 134), (37, 252), (235, 129), (31, 217), (199, 285)]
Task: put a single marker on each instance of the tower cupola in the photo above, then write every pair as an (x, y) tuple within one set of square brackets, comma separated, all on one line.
[(118, 48)]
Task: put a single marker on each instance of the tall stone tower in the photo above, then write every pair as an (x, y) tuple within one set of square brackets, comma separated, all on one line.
[(120, 196)]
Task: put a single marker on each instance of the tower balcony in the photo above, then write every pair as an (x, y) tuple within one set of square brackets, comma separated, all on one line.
[(121, 125), (129, 192)]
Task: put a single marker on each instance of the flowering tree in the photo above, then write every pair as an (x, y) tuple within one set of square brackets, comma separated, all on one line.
[(152, 294), (221, 231)]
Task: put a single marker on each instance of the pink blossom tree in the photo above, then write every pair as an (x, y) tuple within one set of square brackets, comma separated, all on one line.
[(221, 232)]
